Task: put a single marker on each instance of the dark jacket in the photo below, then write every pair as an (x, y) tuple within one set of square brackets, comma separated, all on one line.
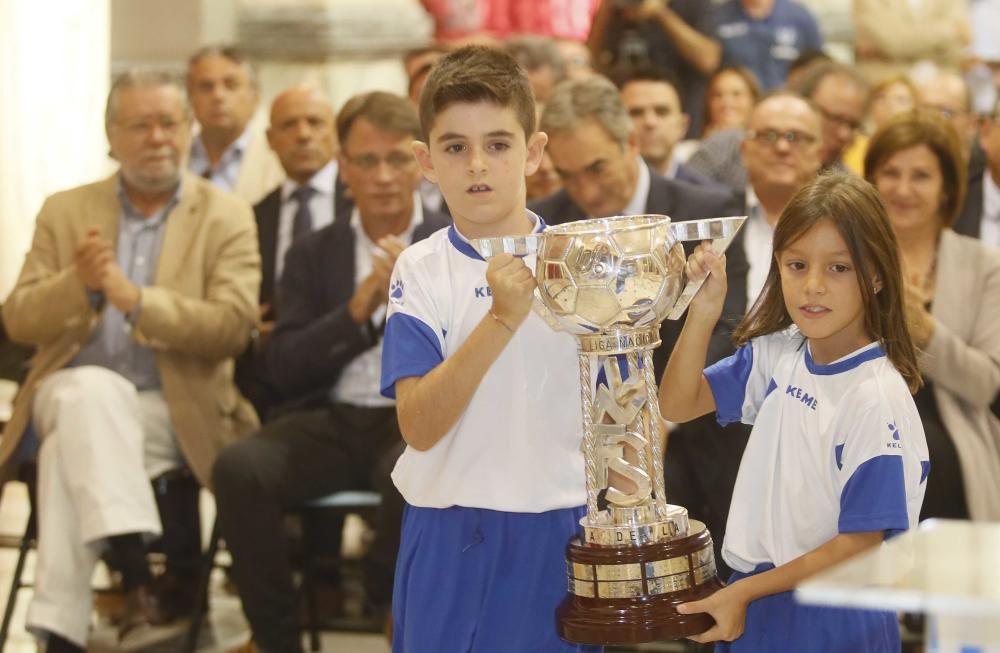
[(680, 201)]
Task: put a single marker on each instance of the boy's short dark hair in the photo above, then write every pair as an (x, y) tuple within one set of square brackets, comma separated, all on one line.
[(477, 74)]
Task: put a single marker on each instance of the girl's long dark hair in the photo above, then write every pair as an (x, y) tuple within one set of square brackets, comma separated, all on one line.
[(854, 208)]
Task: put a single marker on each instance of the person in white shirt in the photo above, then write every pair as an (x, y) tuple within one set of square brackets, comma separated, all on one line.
[(837, 459)]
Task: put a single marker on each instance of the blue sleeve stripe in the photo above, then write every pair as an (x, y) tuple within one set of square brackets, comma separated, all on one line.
[(874, 498), (925, 469), (728, 380), (410, 348)]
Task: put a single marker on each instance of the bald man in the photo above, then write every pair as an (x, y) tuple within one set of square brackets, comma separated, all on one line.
[(302, 133)]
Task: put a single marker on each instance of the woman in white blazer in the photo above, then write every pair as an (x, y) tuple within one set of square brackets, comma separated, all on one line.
[(953, 310)]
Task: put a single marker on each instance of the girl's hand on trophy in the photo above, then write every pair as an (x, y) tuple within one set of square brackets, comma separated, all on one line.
[(512, 285), (704, 263), (729, 609)]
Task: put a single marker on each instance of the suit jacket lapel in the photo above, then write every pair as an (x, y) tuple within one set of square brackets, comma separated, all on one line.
[(179, 231), (105, 211)]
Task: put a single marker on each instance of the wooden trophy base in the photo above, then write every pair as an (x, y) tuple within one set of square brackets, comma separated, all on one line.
[(629, 595)]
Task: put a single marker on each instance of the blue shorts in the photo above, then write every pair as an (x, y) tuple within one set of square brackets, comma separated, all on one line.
[(778, 623), (470, 580)]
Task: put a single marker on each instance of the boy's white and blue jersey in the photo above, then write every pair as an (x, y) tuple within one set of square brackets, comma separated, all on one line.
[(516, 447), (835, 448)]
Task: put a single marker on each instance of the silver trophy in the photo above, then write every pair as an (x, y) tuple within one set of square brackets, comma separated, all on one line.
[(611, 282)]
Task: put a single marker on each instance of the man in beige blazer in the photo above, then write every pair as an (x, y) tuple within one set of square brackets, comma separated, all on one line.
[(229, 149), (137, 292)]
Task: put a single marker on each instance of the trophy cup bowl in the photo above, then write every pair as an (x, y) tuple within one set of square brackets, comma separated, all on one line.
[(610, 282)]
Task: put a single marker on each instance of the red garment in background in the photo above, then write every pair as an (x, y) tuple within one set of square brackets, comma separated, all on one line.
[(500, 18)]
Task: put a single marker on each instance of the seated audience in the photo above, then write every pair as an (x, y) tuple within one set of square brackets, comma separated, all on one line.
[(837, 91), (137, 292), (766, 36), (336, 432), (915, 161), (654, 106)]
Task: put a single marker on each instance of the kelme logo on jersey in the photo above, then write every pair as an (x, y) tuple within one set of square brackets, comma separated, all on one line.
[(894, 443), (396, 292), (803, 396), (483, 291)]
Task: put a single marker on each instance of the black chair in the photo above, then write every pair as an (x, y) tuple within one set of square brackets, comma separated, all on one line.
[(24, 544), (343, 503)]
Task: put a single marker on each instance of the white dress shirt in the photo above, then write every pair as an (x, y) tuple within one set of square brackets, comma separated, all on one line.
[(320, 206), (360, 382), (758, 239)]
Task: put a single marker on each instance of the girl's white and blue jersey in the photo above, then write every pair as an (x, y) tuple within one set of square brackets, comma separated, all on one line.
[(516, 447), (835, 448)]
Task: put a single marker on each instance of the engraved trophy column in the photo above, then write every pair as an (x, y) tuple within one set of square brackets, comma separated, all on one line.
[(611, 282)]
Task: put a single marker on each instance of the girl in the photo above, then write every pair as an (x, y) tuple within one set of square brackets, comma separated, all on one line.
[(837, 458)]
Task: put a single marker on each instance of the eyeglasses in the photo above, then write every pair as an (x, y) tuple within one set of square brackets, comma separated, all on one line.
[(144, 126), (839, 120), (772, 136), (395, 160)]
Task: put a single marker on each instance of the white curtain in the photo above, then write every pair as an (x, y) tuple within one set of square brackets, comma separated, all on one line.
[(54, 70)]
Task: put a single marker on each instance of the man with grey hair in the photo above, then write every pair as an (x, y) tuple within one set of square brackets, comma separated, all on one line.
[(594, 147), (137, 292), (228, 149)]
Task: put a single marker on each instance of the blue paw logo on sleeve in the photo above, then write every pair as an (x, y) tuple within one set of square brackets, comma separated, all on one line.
[(894, 442), (396, 292)]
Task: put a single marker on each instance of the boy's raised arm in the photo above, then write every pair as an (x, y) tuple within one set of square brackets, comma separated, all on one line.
[(428, 406)]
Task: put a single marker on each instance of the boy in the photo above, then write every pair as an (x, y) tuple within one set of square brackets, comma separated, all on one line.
[(487, 395)]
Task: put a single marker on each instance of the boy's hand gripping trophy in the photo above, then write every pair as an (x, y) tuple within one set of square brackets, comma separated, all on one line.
[(611, 282)]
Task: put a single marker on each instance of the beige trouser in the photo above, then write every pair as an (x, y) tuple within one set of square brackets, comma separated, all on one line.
[(101, 442)]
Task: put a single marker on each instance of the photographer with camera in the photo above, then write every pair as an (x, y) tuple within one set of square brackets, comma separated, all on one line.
[(672, 36)]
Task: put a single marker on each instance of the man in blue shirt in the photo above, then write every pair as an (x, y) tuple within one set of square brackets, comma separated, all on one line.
[(765, 36)]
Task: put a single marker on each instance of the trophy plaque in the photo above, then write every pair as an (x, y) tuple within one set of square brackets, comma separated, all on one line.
[(610, 282)]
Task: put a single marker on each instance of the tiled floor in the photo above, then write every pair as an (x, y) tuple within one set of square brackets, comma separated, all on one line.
[(226, 627)]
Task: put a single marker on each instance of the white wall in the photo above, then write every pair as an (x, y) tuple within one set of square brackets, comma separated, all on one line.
[(54, 62)]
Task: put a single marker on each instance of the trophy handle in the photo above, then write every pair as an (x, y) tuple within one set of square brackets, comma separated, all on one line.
[(518, 246), (720, 231)]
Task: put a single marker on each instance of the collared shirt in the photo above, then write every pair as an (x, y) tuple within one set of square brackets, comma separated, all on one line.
[(321, 206), (140, 239), (225, 174), (769, 45), (637, 205), (989, 230), (360, 382), (758, 241)]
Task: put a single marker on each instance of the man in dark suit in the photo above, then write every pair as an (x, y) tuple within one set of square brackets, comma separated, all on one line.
[(337, 432), (595, 150), (980, 216), (302, 135), (654, 105)]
